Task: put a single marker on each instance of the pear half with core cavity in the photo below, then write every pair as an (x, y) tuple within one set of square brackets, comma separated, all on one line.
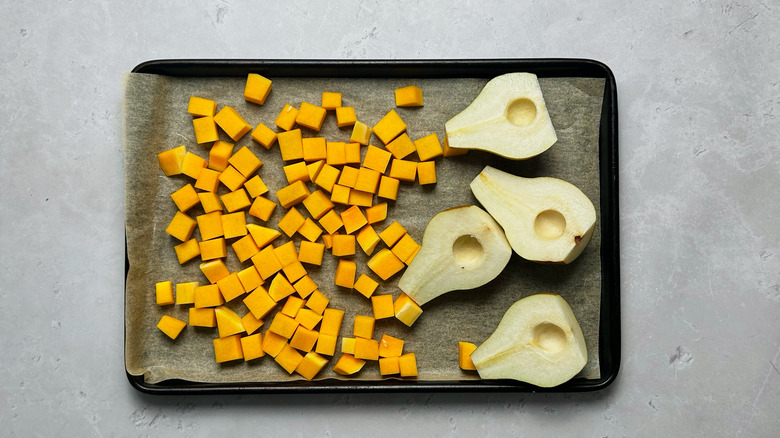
[(538, 341), (545, 219), (462, 248), (508, 118)]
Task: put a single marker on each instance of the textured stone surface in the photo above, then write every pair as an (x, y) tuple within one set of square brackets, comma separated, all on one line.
[(699, 105)]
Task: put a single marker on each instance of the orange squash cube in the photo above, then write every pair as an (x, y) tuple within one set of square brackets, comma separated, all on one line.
[(331, 100), (361, 198), (408, 365), (348, 176), (280, 288), (340, 194), (264, 135), (410, 95), (367, 180), (210, 225), (311, 365), (259, 302), (187, 250), (245, 248), (327, 177), (255, 187), (273, 343), (382, 306), (390, 346), (292, 306), (348, 365), (262, 235), (290, 144), (308, 318), (401, 147), (304, 339), (252, 346), (393, 233), (317, 204), (291, 222), (202, 317), (376, 159), (426, 172), (236, 200), (368, 239), (250, 323), (310, 230), (428, 147), (376, 213), (311, 252), (294, 271), (185, 292), (286, 253), (250, 278), (266, 262), (385, 264), (192, 165), (181, 226), (352, 153), (214, 270), (367, 349), (363, 326), (228, 322), (361, 133), (163, 291), (305, 286), (292, 194), (389, 366), (388, 188), (283, 325), (406, 248), (208, 296), (234, 225), (345, 116), (208, 180), (205, 129), (219, 154), (185, 198), (262, 208), (331, 321), (245, 162), (331, 222), (201, 107), (326, 344), (336, 153), (310, 116), (317, 302), (366, 285), (209, 201), (230, 287), (232, 123), (406, 310), (348, 345), (345, 273), (403, 170), (232, 178), (343, 245), (464, 355), (257, 88), (389, 127), (314, 148), (228, 348), (289, 358), (296, 172), (314, 169), (286, 118), (213, 249)]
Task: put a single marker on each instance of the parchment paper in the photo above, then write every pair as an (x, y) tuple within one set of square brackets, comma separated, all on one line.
[(156, 119)]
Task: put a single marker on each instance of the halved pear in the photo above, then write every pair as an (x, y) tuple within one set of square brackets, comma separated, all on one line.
[(538, 341), (545, 219), (462, 248), (508, 118)]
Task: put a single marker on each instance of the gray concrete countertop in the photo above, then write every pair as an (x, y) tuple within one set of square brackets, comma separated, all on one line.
[(699, 116)]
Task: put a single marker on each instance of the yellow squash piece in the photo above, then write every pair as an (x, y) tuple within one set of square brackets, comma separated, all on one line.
[(187, 250), (311, 365), (385, 264), (410, 95), (289, 358), (228, 322), (389, 127), (406, 310), (257, 88), (348, 365), (408, 365), (164, 293), (259, 302), (171, 326), (390, 346), (181, 226), (310, 116), (232, 123), (228, 348), (202, 317), (464, 355), (366, 285), (382, 306), (205, 129), (252, 346), (201, 107)]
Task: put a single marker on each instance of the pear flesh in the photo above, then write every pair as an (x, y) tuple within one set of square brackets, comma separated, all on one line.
[(545, 219), (508, 118), (538, 341), (462, 248)]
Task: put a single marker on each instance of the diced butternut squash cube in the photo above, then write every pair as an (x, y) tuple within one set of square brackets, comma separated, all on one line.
[(305, 286), (361, 133), (232, 123), (331, 221), (409, 96), (228, 322), (340, 194), (314, 169), (376, 213), (289, 358), (266, 262), (235, 200), (382, 306), (310, 116), (228, 348), (296, 172), (264, 135), (292, 306), (327, 177), (345, 116), (310, 230), (214, 270), (259, 302), (336, 153), (367, 180), (213, 249), (311, 365), (348, 365), (291, 221), (187, 250), (406, 310), (273, 343), (376, 159), (283, 325), (367, 349), (331, 100), (181, 226), (205, 129), (317, 302), (208, 296), (304, 339), (450, 151), (326, 344), (286, 119), (245, 248), (255, 187), (403, 170), (232, 178), (314, 149), (308, 318), (219, 154), (385, 264), (292, 194), (408, 365), (311, 252), (361, 198), (388, 188), (390, 346), (185, 293), (294, 271), (317, 204), (464, 355), (262, 208), (286, 253), (393, 233), (163, 291), (192, 165), (201, 107), (331, 321), (290, 144), (428, 147), (348, 176), (262, 235), (363, 326), (209, 201), (389, 127), (426, 172), (280, 288), (245, 162), (343, 245), (230, 287), (252, 346), (202, 317), (210, 225), (352, 153), (208, 180), (234, 224), (348, 345), (345, 273), (366, 285), (401, 147), (257, 88), (406, 248), (368, 239), (250, 323), (250, 278), (389, 366)]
